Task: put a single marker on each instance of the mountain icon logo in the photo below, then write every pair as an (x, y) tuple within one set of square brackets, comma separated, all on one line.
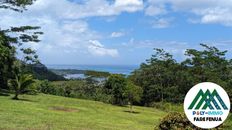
[(207, 99)]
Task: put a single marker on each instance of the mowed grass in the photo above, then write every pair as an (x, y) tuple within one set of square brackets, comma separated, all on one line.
[(47, 112)]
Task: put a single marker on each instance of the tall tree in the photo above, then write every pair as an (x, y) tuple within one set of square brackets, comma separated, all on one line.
[(133, 93), (116, 86), (12, 39), (156, 75), (209, 64)]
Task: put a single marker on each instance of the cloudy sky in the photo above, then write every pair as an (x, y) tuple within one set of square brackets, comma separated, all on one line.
[(123, 31)]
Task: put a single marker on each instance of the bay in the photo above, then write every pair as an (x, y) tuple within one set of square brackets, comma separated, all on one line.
[(114, 69)]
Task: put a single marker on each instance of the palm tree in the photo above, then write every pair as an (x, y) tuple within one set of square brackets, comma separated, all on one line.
[(21, 84)]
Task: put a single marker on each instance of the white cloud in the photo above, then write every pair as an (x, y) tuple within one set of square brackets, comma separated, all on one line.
[(71, 10), (97, 49), (128, 5), (155, 10), (117, 34), (156, 43), (128, 2), (161, 23), (208, 11), (67, 30), (176, 48), (65, 26)]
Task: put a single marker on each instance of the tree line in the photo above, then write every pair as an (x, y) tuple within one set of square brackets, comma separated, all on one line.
[(162, 78)]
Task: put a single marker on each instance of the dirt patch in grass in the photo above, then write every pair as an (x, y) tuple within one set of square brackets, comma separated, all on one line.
[(133, 112), (64, 109)]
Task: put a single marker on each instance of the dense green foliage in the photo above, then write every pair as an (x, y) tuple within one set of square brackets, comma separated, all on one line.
[(133, 94), (123, 90), (6, 60), (116, 90), (76, 89), (116, 86), (97, 74), (164, 79)]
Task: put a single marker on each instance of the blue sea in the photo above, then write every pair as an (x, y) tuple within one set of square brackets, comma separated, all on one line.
[(114, 69)]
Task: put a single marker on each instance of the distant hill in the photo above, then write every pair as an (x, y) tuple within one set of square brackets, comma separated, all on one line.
[(41, 72)]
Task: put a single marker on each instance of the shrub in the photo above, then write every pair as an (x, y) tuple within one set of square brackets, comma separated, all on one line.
[(177, 121), (116, 86), (174, 121), (46, 87)]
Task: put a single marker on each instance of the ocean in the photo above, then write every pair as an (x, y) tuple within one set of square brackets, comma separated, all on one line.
[(114, 69)]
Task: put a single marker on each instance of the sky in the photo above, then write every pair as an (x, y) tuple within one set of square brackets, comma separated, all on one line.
[(123, 32)]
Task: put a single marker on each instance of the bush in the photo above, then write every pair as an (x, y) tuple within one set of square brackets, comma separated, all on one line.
[(174, 121), (116, 85), (75, 89), (177, 121), (46, 87), (103, 97)]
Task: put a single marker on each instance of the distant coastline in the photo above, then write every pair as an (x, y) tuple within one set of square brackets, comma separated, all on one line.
[(113, 69), (79, 71)]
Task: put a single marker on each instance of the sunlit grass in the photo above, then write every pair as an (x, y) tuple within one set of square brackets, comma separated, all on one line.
[(43, 112), (46, 112)]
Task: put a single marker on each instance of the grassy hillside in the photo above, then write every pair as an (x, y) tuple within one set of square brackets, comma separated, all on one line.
[(46, 112), (43, 112)]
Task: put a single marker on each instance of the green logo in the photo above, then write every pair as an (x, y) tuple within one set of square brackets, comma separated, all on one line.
[(207, 105), (206, 100)]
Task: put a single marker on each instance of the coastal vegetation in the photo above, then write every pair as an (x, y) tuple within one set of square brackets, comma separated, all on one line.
[(87, 73)]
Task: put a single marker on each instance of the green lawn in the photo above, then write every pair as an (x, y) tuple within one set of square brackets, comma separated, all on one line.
[(46, 112)]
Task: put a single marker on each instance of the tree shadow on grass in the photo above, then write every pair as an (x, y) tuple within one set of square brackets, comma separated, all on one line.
[(24, 100), (4, 92), (132, 112)]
